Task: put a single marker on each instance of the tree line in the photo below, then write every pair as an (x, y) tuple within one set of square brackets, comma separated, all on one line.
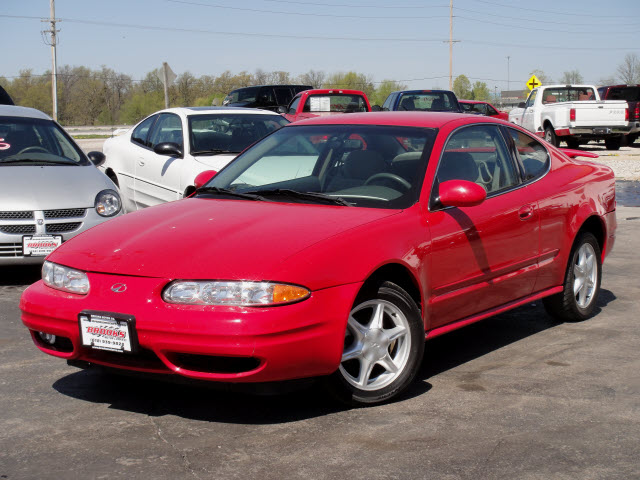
[(106, 97)]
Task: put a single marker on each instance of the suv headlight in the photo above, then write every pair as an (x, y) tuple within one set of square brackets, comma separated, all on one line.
[(65, 278), (108, 203), (244, 294)]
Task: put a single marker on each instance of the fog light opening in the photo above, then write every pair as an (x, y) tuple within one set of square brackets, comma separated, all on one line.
[(49, 338)]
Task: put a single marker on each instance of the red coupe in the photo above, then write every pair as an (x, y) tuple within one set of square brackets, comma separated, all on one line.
[(333, 247), (482, 108)]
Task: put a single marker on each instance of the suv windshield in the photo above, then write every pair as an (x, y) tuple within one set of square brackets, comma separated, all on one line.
[(248, 94), (26, 140), (362, 165), (221, 133)]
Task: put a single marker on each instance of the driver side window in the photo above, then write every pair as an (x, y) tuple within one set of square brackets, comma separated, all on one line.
[(168, 128), (531, 99), (294, 106), (478, 154)]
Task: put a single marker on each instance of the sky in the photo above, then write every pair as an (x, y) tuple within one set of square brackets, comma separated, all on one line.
[(403, 40)]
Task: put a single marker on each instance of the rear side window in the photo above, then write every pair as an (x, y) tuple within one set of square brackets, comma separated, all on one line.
[(141, 132), (533, 156), (478, 154)]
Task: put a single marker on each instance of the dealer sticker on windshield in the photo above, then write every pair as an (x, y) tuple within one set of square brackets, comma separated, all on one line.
[(41, 245), (106, 331)]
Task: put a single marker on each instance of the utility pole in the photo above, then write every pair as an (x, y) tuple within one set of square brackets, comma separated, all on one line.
[(508, 74), (450, 44), (54, 60)]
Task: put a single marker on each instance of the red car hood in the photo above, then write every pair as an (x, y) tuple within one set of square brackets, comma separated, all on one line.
[(209, 239)]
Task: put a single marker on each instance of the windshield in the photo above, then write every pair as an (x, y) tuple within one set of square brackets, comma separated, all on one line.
[(364, 165), (26, 140), (248, 94), (567, 94), (219, 133), (429, 102), (335, 103)]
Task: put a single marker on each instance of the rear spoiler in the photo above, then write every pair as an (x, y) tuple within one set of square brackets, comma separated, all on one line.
[(569, 152)]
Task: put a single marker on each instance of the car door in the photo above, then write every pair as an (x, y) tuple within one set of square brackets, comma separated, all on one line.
[(158, 177), (482, 256), (128, 155), (528, 116)]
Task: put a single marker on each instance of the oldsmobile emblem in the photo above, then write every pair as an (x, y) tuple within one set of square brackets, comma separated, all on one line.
[(118, 287)]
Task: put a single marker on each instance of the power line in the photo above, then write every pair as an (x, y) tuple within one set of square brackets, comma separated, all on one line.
[(571, 32), (279, 12), (537, 10), (395, 7)]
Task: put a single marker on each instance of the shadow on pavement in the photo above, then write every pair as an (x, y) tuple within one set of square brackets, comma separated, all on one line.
[(22, 275), (222, 403)]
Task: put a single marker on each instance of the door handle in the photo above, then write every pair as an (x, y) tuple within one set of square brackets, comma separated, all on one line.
[(141, 163), (526, 212)]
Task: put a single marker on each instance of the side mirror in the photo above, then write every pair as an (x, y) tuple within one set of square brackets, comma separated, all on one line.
[(203, 177), (376, 108), (521, 105), (461, 193), (282, 109), (168, 148), (97, 158)]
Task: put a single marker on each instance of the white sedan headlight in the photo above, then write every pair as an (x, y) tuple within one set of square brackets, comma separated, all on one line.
[(108, 203), (65, 278), (245, 294)]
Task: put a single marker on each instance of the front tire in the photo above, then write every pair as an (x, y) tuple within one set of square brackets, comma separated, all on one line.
[(572, 143), (383, 348), (550, 136), (582, 280)]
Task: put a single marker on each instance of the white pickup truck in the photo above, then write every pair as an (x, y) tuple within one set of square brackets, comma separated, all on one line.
[(573, 113)]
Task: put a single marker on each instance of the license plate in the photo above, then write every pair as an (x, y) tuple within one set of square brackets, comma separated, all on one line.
[(40, 245), (601, 131), (107, 331)]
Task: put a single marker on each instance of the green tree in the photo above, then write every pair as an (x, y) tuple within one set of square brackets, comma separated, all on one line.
[(480, 91), (315, 78), (384, 89), (462, 87), (351, 80)]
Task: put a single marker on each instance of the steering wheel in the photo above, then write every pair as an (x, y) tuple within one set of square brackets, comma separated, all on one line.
[(390, 176), (33, 148)]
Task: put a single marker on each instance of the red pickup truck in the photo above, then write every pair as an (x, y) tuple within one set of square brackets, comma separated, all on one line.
[(631, 94), (323, 102)]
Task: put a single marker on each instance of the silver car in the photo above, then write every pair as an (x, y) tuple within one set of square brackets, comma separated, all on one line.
[(49, 189)]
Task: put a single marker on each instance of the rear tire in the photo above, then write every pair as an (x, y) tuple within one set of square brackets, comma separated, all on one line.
[(613, 143), (384, 346), (550, 136), (582, 280)]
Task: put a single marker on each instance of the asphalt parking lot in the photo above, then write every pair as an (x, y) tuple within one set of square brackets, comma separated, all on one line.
[(515, 396)]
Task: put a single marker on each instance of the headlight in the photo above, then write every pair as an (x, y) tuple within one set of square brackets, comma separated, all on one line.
[(245, 294), (108, 203), (65, 278)]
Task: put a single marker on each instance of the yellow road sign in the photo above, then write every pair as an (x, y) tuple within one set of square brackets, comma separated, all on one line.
[(533, 82)]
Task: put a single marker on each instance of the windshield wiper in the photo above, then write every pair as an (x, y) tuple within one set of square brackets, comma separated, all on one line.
[(38, 161), (224, 191), (211, 151), (303, 195)]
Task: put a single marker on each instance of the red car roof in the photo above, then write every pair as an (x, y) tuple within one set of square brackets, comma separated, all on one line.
[(409, 119)]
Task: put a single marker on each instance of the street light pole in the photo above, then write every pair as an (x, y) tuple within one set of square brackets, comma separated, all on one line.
[(54, 59), (508, 73), (450, 44)]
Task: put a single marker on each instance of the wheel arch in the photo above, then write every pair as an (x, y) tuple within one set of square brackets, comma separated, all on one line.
[(594, 225), (109, 172), (401, 276)]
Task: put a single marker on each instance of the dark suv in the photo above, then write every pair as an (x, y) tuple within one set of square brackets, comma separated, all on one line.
[(631, 94), (268, 97), (5, 99)]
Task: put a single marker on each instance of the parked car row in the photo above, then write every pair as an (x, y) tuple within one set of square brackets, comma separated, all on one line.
[(330, 247)]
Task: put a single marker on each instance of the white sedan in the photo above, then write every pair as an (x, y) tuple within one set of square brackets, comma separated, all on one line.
[(158, 159)]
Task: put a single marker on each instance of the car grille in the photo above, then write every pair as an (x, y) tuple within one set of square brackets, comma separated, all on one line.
[(62, 227), (65, 213), (18, 229), (10, 250), (26, 215)]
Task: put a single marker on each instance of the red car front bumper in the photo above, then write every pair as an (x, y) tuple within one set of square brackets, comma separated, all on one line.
[(231, 344)]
